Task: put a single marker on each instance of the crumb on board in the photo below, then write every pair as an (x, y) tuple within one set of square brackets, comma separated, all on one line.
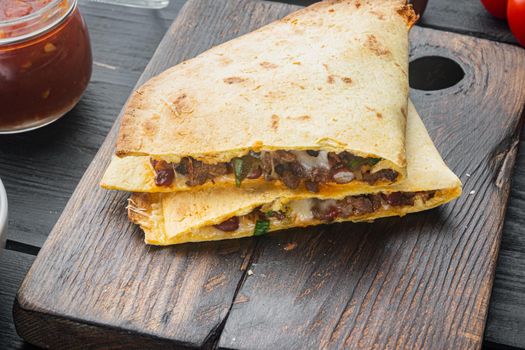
[(290, 246), (250, 272), (472, 192)]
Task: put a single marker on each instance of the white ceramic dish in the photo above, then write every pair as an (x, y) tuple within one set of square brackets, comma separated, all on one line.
[(3, 216)]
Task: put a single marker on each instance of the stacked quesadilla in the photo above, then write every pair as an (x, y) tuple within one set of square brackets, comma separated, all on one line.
[(299, 123)]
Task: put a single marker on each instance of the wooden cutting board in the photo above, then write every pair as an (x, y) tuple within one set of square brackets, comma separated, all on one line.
[(422, 281)]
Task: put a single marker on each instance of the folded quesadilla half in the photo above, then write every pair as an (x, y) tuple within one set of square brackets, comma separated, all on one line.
[(224, 213), (317, 98)]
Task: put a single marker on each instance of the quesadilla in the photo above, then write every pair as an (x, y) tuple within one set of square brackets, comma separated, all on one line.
[(224, 213), (315, 99)]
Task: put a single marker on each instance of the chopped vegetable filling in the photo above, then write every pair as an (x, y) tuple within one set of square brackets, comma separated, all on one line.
[(328, 210), (293, 168), (261, 227)]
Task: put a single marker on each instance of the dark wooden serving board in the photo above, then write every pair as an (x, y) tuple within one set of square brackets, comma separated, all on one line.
[(422, 281)]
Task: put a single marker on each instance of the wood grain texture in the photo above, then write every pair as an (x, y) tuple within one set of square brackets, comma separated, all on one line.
[(506, 320), (13, 267), (45, 166), (466, 17), (102, 304), (423, 281)]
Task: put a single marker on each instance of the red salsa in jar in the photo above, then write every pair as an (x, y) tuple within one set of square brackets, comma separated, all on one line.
[(45, 61), (12, 9)]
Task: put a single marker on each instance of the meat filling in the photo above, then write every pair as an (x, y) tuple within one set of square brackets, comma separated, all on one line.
[(329, 210), (293, 168)]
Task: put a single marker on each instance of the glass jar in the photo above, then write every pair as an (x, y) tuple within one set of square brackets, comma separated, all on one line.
[(45, 62)]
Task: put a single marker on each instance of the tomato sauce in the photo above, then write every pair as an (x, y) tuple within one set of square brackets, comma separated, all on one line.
[(42, 77), (11, 9)]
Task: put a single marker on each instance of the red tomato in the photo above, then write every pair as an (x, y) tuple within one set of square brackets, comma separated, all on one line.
[(516, 17), (497, 8)]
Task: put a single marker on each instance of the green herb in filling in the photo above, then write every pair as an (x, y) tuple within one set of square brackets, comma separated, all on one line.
[(373, 161), (242, 167), (355, 162), (261, 227), (237, 168)]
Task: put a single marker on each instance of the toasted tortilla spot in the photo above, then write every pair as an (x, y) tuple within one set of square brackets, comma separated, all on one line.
[(378, 15), (225, 61), (401, 68), (268, 65), (408, 14), (297, 63), (298, 85), (301, 117), (234, 80), (330, 79), (379, 115), (331, 10), (181, 104), (347, 80), (275, 121), (275, 94), (180, 100), (373, 45), (150, 127), (357, 4)]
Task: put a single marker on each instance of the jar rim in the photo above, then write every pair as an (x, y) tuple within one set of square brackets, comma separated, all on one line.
[(52, 13)]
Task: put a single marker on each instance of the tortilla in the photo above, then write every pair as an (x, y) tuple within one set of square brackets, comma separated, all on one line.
[(172, 218), (331, 77)]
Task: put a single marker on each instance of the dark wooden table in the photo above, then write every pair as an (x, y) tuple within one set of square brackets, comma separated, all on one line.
[(41, 169)]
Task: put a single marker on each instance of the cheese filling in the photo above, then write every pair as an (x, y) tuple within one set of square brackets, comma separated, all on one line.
[(325, 210), (293, 168)]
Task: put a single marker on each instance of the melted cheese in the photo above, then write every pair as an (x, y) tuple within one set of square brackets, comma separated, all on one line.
[(301, 210), (309, 162)]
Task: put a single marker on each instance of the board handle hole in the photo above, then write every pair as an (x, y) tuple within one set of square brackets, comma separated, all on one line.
[(434, 73)]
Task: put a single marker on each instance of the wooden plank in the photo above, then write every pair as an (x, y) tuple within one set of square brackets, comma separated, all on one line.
[(108, 90), (506, 320), (110, 304), (422, 281), (464, 17), (46, 165), (13, 267), (132, 295)]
